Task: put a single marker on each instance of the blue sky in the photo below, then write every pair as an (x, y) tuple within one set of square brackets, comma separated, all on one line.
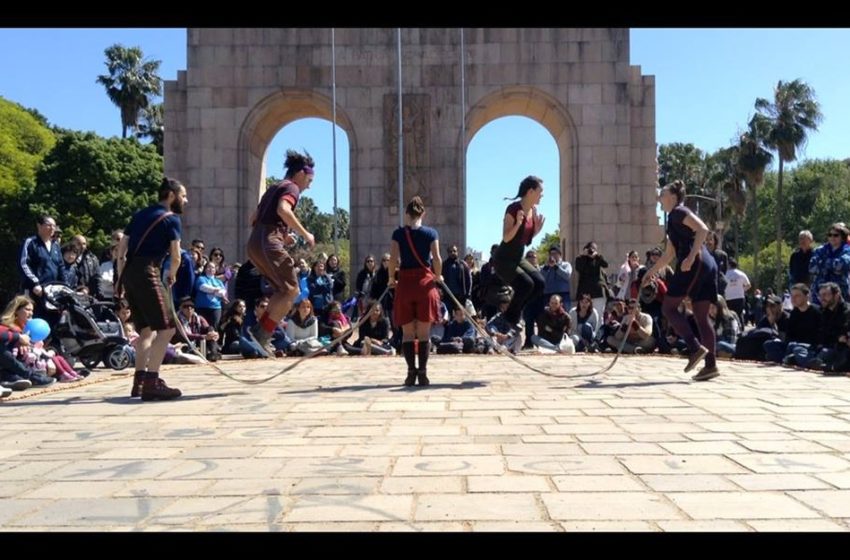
[(707, 81)]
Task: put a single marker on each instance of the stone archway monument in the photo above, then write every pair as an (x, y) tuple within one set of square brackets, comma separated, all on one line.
[(242, 86)]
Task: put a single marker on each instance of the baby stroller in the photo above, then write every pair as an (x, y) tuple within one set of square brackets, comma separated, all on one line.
[(87, 330)]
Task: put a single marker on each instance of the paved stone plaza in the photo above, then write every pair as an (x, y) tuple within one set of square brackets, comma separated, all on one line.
[(338, 444)]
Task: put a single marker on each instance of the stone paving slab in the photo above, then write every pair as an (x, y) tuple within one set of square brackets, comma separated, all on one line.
[(339, 445)]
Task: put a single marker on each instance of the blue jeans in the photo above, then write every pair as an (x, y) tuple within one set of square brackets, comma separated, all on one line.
[(804, 354), (775, 350), (584, 338), (725, 347)]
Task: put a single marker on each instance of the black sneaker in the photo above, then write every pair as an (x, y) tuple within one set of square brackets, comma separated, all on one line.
[(696, 358), (423, 379), (831, 371), (39, 379), (706, 373), (83, 372), (15, 382)]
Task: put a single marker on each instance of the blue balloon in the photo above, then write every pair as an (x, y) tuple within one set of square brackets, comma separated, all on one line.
[(37, 329)]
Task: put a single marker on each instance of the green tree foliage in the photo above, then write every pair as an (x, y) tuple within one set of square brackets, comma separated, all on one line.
[(547, 241), (768, 275), (817, 196), (93, 185), (152, 126), (679, 160), (24, 140)]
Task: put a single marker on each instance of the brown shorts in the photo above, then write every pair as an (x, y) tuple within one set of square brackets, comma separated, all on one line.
[(266, 250), (149, 302)]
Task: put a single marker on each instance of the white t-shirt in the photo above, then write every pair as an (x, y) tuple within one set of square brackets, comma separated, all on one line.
[(736, 282)]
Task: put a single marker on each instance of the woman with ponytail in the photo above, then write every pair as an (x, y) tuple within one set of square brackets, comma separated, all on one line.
[(415, 252), (695, 277), (522, 222)]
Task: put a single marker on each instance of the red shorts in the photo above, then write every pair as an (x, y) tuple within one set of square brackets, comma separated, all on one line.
[(416, 297)]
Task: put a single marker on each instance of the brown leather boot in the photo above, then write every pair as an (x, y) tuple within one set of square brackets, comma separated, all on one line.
[(138, 381), (155, 389)]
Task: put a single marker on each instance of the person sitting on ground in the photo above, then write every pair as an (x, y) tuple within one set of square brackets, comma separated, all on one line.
[(636, 328), (15, 318), (335, 325), (726, 327), (459, 335), (501, 330), (584, 322), (553, 324), (373, 336), (230, 333), (197, 329), (803, 328), (303, 329)]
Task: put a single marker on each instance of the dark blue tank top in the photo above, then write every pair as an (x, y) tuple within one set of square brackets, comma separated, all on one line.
[(681, 235)]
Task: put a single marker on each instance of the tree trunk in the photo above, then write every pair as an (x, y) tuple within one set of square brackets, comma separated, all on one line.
[(123, 130), (779, 200), (737, 225)]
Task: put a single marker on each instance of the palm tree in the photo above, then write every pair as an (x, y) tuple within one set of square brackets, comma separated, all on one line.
[(733, 187), (131, 82), (686, 162), (724, 180), (753, 159), (152, 126), (787, 120)]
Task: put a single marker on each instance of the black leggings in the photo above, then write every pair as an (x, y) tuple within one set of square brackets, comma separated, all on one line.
[(527, 284)]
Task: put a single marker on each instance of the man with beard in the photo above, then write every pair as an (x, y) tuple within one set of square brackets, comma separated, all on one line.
[(152, 233)]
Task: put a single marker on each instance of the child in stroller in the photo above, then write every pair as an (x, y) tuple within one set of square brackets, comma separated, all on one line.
[(86, 330)]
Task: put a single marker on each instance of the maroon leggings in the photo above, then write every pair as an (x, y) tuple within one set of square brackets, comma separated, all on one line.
[(62, 364), (679, 322)]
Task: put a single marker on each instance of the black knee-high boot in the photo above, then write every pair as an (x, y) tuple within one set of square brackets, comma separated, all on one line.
[(424, 350), (410, 358)]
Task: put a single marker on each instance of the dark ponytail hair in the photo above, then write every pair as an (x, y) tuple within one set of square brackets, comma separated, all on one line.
[(677, 187), (168, 185), (415, 207), (295, 162), (530, 182)]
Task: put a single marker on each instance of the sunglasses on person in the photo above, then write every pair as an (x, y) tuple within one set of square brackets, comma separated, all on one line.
[(833, 234)]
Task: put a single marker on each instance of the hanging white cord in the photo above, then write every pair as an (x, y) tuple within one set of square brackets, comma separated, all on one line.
[(333, 136), (400, 140)]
